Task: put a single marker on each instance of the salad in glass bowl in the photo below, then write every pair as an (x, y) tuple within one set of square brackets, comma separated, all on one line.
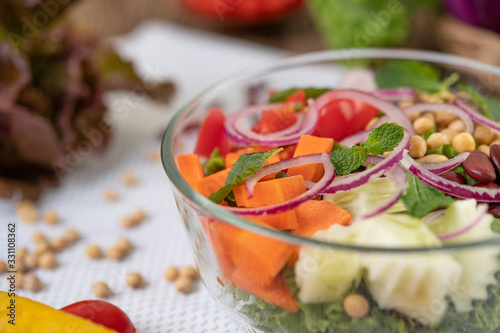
[(329, 194)]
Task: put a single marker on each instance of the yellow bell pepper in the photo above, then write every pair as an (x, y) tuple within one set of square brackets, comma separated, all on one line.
[(19, 314)]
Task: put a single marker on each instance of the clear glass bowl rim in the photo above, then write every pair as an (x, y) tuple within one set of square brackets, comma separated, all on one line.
[(217, 212)]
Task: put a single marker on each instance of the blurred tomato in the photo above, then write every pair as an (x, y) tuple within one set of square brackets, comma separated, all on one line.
[(212, 135), (245, 11)]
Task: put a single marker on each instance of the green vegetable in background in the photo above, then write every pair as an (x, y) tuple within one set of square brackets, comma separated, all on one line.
[(244, 167), (421, 199), (282, 95), (413, 74), (365, 23), (490, 106), (215, 163), (382, 139)]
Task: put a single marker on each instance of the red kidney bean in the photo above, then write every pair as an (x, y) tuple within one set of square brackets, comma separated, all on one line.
[(495, 157), (492, 186), (495, 211), (454, 177), (479, 167)]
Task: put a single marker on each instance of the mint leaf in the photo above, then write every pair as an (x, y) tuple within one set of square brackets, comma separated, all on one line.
[(421, 199), (495, 225), (490, 106), (345, 160), (383, 139), (215, 163), (244, 167), (282, 95), (413, 74)]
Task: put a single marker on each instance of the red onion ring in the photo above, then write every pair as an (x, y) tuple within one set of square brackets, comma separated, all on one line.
[(395, 94), (327, 178), (481, 212), (348, 182), (441, 167), (422, 107), (476, 116), (235, 129), (391, 110), (449, 187)]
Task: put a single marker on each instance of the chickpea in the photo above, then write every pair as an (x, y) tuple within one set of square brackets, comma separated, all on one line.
[(51, 217), (485, 149), (457, 125), (371, 123), (129, 179), (38, 237), (42, 247), (124, 244), (449, 133), (405, 104), (483, 135), (31, 282), (116, 253), (171, 273), (422, 125), (134, 280), (128, 222), (93, 251), (31, 260), (356, 306), (27, 211), (71, 235), (189, 272), (448, 96), (184, 285), (58, 244), (429, 115), (436, 140), (101, 290), (139, 215), (19, 280), (154, 155), (3, 267), (444, 118), (109, 195), (47, 260), (21, 253), (20, 266), (462, 142), (432, 158)]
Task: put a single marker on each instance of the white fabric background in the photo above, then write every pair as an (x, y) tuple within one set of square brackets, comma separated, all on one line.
[(194, 60)]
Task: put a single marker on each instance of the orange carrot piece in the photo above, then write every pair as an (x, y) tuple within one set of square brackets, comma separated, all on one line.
[(221, 233), (270, 192), (212, 183), (315, 215), (309, 144), (190, 168), (276, 293), (283, 221)]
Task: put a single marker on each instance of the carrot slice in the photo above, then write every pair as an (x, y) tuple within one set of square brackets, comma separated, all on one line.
[(276, 293), (190, 168), (212, 183), (309, 144), (220, 233)]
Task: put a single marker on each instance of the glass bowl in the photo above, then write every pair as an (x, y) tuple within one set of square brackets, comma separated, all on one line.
[(452, 288)]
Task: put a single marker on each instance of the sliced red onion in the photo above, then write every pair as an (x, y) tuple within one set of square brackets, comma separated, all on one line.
[(433, 216), (398, 176), (319, 187), (392, 111), (442, 167), (395, 94), (449, 187), (237, 132), (482, 209), (348, 182), (355, 139), (423, 107), (476, 116)]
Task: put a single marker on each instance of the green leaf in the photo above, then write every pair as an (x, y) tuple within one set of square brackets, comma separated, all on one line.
[(428, 133), (413, 74), (282, 95), (446, 150), (470, 181), (215, 163), (490, 106), (244, 167), (383, 139), (421, 199), (345, 160), (495, 225)]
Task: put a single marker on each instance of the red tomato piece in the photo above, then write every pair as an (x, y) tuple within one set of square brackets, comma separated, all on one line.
[(274, 120), (341, 118), (103, 313), (211, 135)]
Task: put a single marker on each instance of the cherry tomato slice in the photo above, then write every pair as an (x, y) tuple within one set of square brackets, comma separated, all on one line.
[(341, 118), (103, 313), (211, 135)]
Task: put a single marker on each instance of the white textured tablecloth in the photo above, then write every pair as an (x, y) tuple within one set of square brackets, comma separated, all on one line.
[(194, 60)]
